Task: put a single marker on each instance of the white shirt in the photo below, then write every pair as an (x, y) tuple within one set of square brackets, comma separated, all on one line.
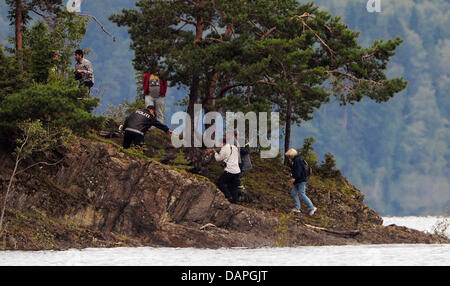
[(231, 157)]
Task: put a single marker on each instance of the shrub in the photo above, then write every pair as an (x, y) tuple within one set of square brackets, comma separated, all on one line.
[(307, 152), (328, 167), (59, 102)]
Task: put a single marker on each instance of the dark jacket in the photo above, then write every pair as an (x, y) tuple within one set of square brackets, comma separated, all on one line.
[(141, 120), (162, 84), (246, 163), (298, 170)]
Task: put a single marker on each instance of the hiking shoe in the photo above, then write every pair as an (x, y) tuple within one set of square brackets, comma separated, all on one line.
[(295, 210), (311, 212)]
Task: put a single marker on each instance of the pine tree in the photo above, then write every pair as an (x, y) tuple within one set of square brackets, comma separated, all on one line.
[(11, 78), (282, 53), (19, 15)]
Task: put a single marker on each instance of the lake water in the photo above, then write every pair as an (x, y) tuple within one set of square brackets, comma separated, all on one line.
[(361, 255)]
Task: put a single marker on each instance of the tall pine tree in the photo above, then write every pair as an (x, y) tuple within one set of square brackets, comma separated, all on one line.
[(289, 55)]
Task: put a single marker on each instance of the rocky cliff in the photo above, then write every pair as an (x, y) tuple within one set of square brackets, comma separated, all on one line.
[(99, 196)]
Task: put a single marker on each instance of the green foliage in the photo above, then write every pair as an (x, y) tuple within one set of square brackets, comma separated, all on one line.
[(386, 150), (38, 88), (49, 50), (307, 152), (60, 102), (267, 53), (38, 138), (11, 78), (34, 138), (328, 167), (40, 50), (397, 153), (181, 161), (281, 229)]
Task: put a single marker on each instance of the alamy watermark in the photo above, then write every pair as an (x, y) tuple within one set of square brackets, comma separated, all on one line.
[(212, 136), (373, 6)]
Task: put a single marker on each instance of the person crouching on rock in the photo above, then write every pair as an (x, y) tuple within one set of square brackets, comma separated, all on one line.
[(137, 124), (299, 180), (229, 180)]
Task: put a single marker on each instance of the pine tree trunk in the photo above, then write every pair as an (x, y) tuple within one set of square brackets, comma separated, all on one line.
[(287, 137), (19, 22), (199, 26), (208, 101), (193, 96)]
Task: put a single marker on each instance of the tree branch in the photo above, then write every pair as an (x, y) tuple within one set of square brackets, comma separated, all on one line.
[(38, 163), (187, 21), (307, 15), (268, 33), (11, 179), (354, 78), (215, 29), (98, 22), (192, 2)]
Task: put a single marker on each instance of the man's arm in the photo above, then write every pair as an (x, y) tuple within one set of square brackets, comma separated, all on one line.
[(89, 70), (224, 153), (145, 83), (160, 125), (163, 88)]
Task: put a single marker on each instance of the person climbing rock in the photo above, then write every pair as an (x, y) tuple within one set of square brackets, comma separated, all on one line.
[(84, 72), (229, 180), (138, 123), (299, 179), (155, 89)]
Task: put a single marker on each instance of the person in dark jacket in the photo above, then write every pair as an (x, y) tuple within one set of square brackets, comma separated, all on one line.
[(245, 164), (137, 124), (299, 179)]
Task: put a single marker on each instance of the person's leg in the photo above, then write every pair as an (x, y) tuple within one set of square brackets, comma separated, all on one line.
[(304, 197), (149, 100), (223, 185), (89, 84), (138, 140), (294, 194), (160, 108), (127, 139), (240, 189), (233, 187)]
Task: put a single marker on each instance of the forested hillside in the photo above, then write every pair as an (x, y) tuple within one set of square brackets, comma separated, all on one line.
[(396, 152)]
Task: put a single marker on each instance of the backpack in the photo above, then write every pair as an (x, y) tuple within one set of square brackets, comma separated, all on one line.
[(307, 167)]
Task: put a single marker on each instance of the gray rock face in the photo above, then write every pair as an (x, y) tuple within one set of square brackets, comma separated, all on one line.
[(101, 189)]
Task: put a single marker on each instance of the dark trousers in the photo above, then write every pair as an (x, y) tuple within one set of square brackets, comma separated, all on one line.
[(132, 138), (228, 184), (241, 184), (88, 83)]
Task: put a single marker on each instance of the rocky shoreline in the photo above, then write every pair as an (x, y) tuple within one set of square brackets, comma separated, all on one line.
[(99, 196)]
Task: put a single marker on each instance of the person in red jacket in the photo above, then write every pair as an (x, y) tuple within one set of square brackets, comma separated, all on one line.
[(155, 90)]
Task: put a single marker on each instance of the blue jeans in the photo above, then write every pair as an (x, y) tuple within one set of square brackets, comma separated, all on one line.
[(301, 189)]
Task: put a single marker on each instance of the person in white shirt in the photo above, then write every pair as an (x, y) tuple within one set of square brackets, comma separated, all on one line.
[(229, 181)]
